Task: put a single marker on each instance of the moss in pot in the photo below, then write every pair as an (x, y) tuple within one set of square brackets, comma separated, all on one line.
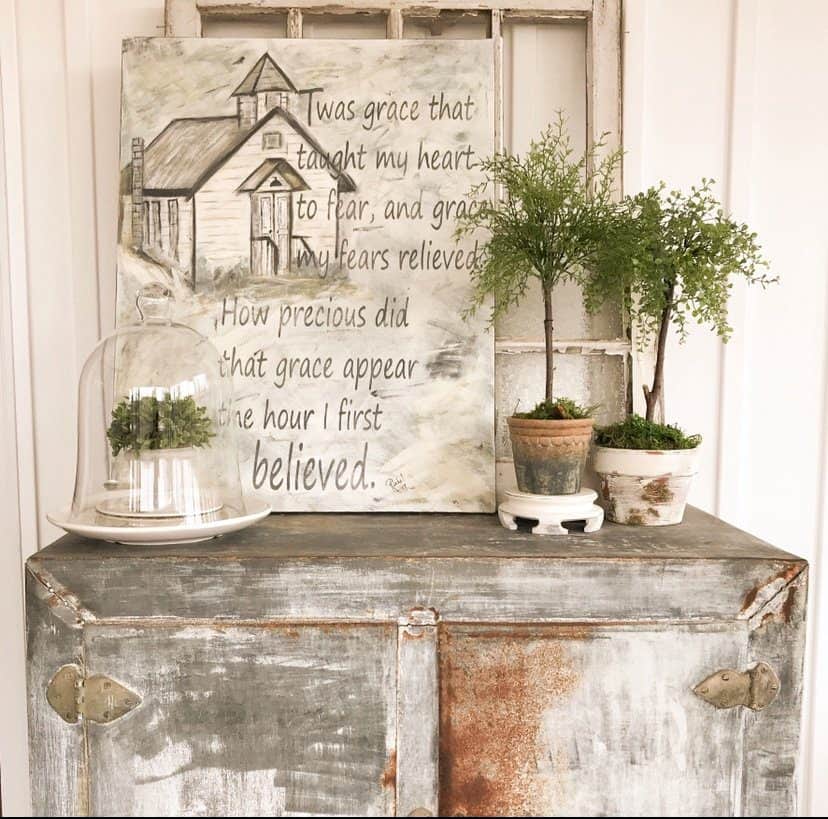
[(669, 257), (541, 216)]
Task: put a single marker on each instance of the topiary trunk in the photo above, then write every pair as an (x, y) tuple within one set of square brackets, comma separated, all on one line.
[(653, 396), (548, 336)]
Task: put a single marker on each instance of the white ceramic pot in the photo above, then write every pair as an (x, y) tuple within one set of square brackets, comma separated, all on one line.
[(645, 487)]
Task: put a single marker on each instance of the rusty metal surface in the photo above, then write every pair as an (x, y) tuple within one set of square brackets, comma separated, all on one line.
[(757, 597), (494, 688), (577, 720), (776, 636), (421, 626)]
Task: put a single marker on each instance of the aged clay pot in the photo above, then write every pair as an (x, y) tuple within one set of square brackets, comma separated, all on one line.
[(646, 487), (549, 455)]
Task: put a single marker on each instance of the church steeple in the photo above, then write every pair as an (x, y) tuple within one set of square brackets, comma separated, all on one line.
[(264, 87)]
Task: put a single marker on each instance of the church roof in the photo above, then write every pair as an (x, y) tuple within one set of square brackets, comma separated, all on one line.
[(186, 151), (264, 76), (189, 151), (282, 168)]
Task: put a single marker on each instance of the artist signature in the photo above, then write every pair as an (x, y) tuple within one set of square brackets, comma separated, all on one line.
[(397, 483)]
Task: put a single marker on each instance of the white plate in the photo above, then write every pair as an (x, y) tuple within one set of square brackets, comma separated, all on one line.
[(141, 533)]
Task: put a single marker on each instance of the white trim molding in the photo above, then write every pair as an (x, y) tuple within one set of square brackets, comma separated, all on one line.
[(18, 493)]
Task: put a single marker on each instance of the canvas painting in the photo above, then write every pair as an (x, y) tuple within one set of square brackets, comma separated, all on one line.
[(299, 199)]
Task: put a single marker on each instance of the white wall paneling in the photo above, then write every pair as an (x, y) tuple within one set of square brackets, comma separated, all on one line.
[(59, 90), (18, 506), (785, 329), (721, 88)]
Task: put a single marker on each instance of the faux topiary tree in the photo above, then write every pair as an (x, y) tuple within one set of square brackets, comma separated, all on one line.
[(548, 224), (670, 257), (544, 216)]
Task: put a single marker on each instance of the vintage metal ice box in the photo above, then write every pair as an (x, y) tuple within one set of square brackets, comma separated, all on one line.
[(371, 665)]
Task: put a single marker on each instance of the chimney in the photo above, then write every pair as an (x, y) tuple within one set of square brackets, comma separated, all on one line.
[(137, 193)]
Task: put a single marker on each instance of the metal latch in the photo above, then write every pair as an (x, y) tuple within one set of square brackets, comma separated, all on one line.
[(755, 688), (97, 698)]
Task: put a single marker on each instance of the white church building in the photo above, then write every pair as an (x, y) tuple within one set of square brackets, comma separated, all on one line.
[(217, 196)]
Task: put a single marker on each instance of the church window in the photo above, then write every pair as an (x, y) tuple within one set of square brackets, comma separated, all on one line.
[(272, 141)]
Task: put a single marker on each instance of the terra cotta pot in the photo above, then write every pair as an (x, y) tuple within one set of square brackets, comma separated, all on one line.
[(645, 487), (549, 455)]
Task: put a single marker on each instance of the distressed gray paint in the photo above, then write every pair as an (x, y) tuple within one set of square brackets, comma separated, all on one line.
[(465, 568), (285, 537), (418, 718), (242, 648), (602, 721), (56, 748), (246, 721), (772, 736)]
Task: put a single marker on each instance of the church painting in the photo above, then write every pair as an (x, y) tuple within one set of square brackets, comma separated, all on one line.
[(215, 197), (299, 199)]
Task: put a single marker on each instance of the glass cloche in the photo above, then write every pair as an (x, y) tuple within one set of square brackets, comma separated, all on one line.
[(157, 459)]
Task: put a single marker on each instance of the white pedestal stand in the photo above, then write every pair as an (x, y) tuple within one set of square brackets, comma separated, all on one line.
[(551, 511)]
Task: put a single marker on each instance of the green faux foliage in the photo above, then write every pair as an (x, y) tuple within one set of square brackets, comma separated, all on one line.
[(559, 409), (548, 224), (678, 250), (145, 423), (636, 432), (669, 257)]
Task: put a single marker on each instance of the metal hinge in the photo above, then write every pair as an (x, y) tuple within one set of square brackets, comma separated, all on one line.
[(97, 698), (755, 688)]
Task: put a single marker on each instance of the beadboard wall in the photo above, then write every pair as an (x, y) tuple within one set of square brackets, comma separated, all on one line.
[(722, 88)]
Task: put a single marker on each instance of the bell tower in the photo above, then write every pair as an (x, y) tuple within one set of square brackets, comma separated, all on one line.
[(264, 88)]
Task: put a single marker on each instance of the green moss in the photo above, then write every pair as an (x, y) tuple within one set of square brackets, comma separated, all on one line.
[(559, 409), (149, 423), (636, 432)]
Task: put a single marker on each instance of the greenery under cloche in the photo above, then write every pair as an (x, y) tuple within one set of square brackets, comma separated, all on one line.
[(148, 423)]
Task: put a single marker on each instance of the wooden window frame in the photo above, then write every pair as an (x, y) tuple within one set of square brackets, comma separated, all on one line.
[(184, 18), (603, 22)]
